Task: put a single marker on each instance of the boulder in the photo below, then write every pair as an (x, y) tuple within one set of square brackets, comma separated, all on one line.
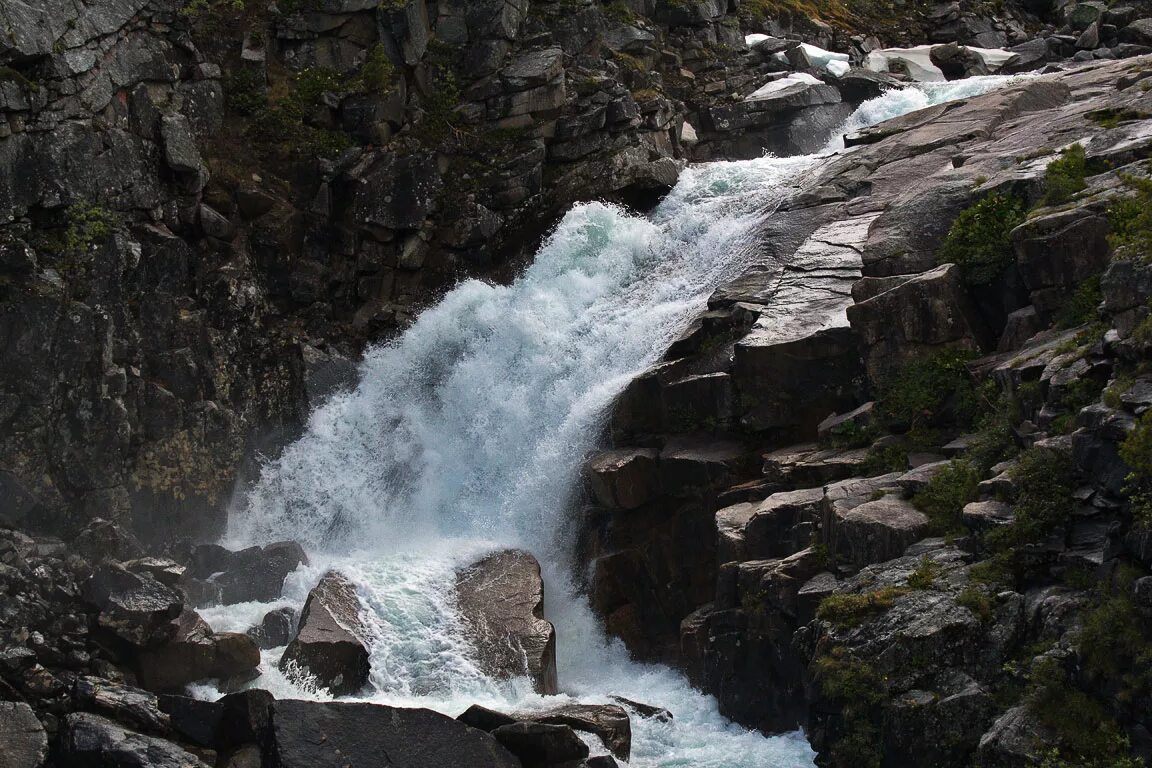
[(253, 574), (1139, 32), (879, 530), (957, 62), (501, 597), (195, 652), (646, 711), (275, 629), (777, 527), (610, 722), (330, 644), (539, 745), (310, 734), (134, 607), (981, 515), (1058, 251), (104, 540), (625, 478), (483, 718), (127, 705), (91, 740), (25, 745)]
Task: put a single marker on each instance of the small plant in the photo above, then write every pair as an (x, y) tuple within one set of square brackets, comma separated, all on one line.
[(978, 241), (1136, 452), (1131, 221), (859, 692), (887, 458), (378, 72), (1065, 176), (930, 392), (946, 494), (1112, 117), (926, 573), (976, 600), (849, 610), (1044, 501), (1080, 308)]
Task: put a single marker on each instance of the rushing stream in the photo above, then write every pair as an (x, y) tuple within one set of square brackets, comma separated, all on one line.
[(468, 432)]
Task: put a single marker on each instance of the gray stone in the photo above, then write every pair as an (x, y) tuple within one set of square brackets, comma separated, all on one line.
[(330, 645), (24, 740), (88, 739), (624, 479), (501, 597)]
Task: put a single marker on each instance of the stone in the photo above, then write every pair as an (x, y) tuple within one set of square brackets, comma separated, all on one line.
[(194, 653), (647, 711), (252, 574), (275, 629), (501, 597), (24, 740), (134, 607), (127, 705), (330, 644), (104, 540), (773, 527), (539, 745), (957, 62), (309, 734), (624, 479), (879, 530), (609, 722), (485, 719), (841, 427), (980, 516), (690, 467), (88, 739), (1138, 32)]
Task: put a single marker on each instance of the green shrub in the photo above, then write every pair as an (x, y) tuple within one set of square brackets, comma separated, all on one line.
[(1080, 308), (378, 73), (1131, 220), (849, 610), (1065, 176), (931, 392), (976, 600), (1115, 647), (926, 573), (87, 225), (888, 458), (1044, 500), (859, 692), (979, 241), (1088, 736), (946, 494), (1136, 452), (1112, 117)]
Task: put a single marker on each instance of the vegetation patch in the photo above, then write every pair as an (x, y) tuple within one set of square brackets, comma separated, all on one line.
[(850, 610), (1065, 176), (978, 241), (1136, 452), (1131, 221), (926, 573), (1080, 308), (1044, 501), (946, 494), (976, 600), (931, 392), (1112, 117), (858, 690)]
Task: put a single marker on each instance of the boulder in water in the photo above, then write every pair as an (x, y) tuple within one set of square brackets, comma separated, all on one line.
[(275, 629), (540, 745), (255, 573), (502, 599), (329, 644), (196, 653), (311, 734), (608, 721)]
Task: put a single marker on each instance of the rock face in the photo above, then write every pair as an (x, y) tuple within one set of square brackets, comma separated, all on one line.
[(93, 740), (501, 597), (337, 734), (24, 740), (253, 574), (330, 644), (195, 652)]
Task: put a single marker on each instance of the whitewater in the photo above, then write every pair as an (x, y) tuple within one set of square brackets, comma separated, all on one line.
[(468, 433)]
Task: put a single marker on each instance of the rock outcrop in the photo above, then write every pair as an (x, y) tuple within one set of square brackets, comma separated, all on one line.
[(501, 597), (330, 646)]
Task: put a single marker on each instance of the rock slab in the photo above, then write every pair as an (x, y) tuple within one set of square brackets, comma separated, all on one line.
[(330, 643)]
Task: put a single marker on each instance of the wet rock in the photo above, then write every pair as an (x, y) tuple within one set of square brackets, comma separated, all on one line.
[(253, 574), (502, 599), (275, 629), (309, 734), (91, 740), (134, 607), (24, 740), (647, 711), (624, 479), (539, 745), (485, 719), (957, 62), (195, 652), (130, 706), (607, 721), (329, 645)]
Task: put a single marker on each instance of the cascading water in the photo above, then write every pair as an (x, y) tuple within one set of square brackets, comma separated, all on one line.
[(467, 433)]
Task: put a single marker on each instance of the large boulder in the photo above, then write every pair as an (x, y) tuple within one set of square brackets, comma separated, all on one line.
[(330, 644), (539, 745), (501, 597), (91, 741), (252, 574), (195, 652), (134, 607), (309, 734), (624, 479), (957, 61), (24, 743), (610, 722)]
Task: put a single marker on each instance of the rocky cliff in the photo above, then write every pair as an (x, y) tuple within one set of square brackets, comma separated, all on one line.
[(889, 486)]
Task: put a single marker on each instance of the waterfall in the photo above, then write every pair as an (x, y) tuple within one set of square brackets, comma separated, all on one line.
[(468, 432)]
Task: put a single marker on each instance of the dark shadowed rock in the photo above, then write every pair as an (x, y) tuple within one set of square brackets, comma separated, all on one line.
[(329, 644), (624, 479), (91, 741), (485, 719), (195, 652), (502, 599), (647, 711), (275, 629), (310, 734), (539, 745), (608, 721), (103, 539), (23, 743), (130, 706), (256, 573), (133, 606)]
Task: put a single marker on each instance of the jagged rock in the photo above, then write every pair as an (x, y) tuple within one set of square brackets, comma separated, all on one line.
[(88, 739), (876, 531), (131, 706), (1012, 740), (808, 465), (780, 524), (502, 599), (103, 539), (252, 574), (932, 312), (132, 606), (167, 572), (538, 745), (957, 62), (195, 652), (24, 740), (330, 644), (275, 629), (690, 467), (309, 734), (624, 479), (647, 711), (607, 721), (1058, 251)]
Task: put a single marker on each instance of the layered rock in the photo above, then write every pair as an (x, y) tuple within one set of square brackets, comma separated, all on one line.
[(501, 597)]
